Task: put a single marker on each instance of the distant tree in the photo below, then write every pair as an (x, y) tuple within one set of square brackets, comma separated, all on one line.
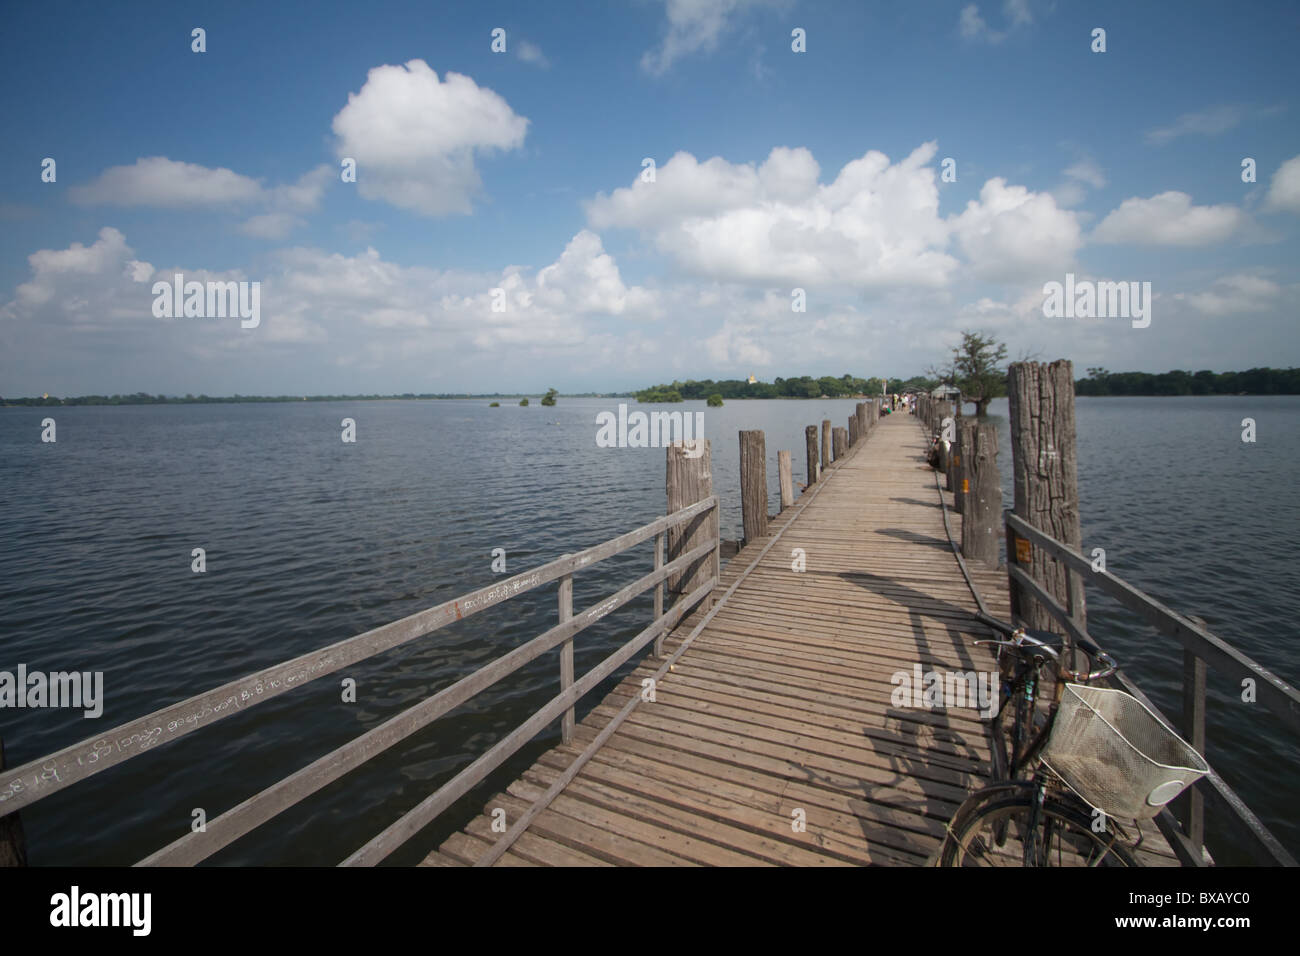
[(715, 400), (494, 405), (977, 370), (549, 398), (523, 402)]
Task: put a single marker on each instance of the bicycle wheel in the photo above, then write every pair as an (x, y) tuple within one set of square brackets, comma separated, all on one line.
[(994, 831)]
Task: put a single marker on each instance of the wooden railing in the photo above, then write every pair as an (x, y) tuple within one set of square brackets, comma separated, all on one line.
[(33, 781), (1200, 648)]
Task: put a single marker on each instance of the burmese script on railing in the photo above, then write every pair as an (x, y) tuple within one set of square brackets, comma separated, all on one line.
[(501, 591), (142, 740)]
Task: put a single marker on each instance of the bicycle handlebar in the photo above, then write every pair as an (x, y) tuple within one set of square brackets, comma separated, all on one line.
[(1022, 641)]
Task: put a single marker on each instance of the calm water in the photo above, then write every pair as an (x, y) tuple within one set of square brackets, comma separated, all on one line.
[(310, 540)]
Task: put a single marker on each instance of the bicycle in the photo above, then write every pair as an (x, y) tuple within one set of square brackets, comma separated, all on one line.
[(1086, 770)]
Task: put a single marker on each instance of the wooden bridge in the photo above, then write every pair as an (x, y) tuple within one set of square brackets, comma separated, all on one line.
[(771, 723), (773, 739)]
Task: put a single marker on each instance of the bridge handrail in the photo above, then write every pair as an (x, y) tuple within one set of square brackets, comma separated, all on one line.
[(32, 781), (1201, 647)]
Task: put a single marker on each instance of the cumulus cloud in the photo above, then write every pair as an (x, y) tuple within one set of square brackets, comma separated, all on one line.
[(1011, 232), (310, 296), (159, 181), (1284, 190), (1169, 219), (415, 138), (877, 224), (166, 183)]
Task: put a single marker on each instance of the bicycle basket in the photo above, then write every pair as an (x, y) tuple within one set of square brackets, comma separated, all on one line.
[(1117, 755)]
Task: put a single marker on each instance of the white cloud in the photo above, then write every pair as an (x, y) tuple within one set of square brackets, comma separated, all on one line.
[(974, 27), (1210, 122), (1169, 219), (345, 302), (271, 225), (1233, 295), (877, 224), (694, 26), (736, 344), (159, 181), (1012, 233), (1078, 177), (415, 138), (1087, 171), (1018, 12), (531, 53), (1284, 190)]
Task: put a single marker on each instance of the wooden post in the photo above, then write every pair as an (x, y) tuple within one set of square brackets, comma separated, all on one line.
[(13, 845), (841, 439), (787, 480), (690, 480), (810, 440), (981, 493), (1045, 471), (864, 426), (753, 484), (1191, 804), (566, 655), (826, 443), (659, 592), (853, 430)]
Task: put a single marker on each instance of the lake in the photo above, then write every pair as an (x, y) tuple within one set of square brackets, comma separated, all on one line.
[(310, 540)]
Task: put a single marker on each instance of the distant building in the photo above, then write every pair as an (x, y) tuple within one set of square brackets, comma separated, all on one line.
[(753, 380)]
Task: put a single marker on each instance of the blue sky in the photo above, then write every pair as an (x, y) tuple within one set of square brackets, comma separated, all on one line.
[(521, 172)]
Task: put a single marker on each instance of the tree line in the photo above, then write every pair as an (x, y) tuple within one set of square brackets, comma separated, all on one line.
[(803, 386), (1254, 381), (144, 398)]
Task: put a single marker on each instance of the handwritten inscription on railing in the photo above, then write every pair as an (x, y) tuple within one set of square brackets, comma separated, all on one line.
[(146, 737), (501, 592)]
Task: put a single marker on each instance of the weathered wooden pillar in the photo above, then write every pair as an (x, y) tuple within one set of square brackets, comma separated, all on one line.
[(826, 443), (753, 484), (787, 480), (853, 430), (980, 493), (1045, 469), (810, 441), (864, 425), (689, 480), (13, 845), (841, 440)]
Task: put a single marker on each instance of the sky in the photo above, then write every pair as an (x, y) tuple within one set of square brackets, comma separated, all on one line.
[(598, 196)]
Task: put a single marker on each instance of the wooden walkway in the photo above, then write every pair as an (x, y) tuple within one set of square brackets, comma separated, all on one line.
[(783, 702)]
